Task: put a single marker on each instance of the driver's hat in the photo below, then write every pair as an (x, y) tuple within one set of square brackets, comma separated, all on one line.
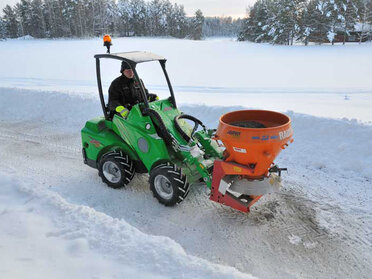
[(125, 66)]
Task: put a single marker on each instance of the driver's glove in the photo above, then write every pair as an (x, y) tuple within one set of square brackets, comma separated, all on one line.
[(152, 97), (122, 111)]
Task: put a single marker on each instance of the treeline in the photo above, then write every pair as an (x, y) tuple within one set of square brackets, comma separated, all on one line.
[(287, 21), (221, 26), (87, 18)]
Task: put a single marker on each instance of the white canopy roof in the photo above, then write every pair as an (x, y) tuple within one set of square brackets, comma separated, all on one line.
[(133, 56)]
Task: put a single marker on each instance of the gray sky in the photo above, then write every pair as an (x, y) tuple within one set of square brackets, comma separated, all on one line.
[(234, 8), (3, 3)]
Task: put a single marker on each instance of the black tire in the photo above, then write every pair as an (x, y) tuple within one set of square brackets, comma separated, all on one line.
[(122, 169), (177, 187)]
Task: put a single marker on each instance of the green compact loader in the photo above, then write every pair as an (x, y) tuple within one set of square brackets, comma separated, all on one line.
[(177, 150), (153, 138)]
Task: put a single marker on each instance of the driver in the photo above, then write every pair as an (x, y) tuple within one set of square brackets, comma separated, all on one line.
[(124, 91)]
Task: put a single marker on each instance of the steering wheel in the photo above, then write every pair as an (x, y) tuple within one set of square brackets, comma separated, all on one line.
[(196, 121)]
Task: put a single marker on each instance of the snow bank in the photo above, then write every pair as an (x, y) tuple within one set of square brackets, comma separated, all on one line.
[(27, 37), (53, 108), (53, 238)]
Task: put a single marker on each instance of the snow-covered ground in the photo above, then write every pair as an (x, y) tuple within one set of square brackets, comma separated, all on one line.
[(58, 220), (327, 81)]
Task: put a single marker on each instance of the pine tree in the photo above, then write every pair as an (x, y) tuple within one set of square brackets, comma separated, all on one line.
[(182, 22), (2, 29), (123, 23), (53, 15), (137, 17), (10, 22), (307, 22), (176, 21), (49, 18), (197, 26), (167, 15), (317, 21), (78, 22), (256, 26), (332, 15), (69, 17), (260, 22), (365, 17), (89, 17), (285, 20), (111, 12), (368, 18), (350, 17), (157, 11), (23, 13), (276, 21), (38, 27)]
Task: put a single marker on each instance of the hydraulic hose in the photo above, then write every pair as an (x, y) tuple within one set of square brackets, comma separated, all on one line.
[(160, 126)]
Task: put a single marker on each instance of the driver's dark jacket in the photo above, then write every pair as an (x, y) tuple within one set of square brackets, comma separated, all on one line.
[(125, 92)]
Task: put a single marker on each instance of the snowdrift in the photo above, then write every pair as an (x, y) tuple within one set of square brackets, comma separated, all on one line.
[(78, 230)]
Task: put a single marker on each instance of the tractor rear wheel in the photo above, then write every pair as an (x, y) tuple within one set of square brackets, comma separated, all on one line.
[(116, 169), (168, 184)]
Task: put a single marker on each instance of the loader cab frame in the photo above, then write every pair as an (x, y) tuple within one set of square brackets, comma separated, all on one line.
[(132, 58)]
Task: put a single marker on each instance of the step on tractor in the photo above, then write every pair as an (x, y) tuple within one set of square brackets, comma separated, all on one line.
[(236, 160)]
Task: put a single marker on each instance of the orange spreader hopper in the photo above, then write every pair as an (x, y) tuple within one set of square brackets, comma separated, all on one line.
[(253, 139)]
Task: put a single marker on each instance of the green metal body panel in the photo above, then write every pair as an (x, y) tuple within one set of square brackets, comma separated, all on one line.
[(139, 133), (136, 136), (98, 138)]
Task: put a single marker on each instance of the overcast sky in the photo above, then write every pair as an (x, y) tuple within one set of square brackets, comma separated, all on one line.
[(234, 8)]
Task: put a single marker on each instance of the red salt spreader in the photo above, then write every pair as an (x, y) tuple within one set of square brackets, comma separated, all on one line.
[(253, 139)]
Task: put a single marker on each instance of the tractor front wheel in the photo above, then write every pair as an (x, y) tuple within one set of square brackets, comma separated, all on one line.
[(116, 169), (168, 184)]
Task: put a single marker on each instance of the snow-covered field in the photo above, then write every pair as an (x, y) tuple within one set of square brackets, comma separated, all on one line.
[(327, 81), (58, 220)]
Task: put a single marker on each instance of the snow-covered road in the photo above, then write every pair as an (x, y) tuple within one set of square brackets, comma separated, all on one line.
[(318, 226)]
